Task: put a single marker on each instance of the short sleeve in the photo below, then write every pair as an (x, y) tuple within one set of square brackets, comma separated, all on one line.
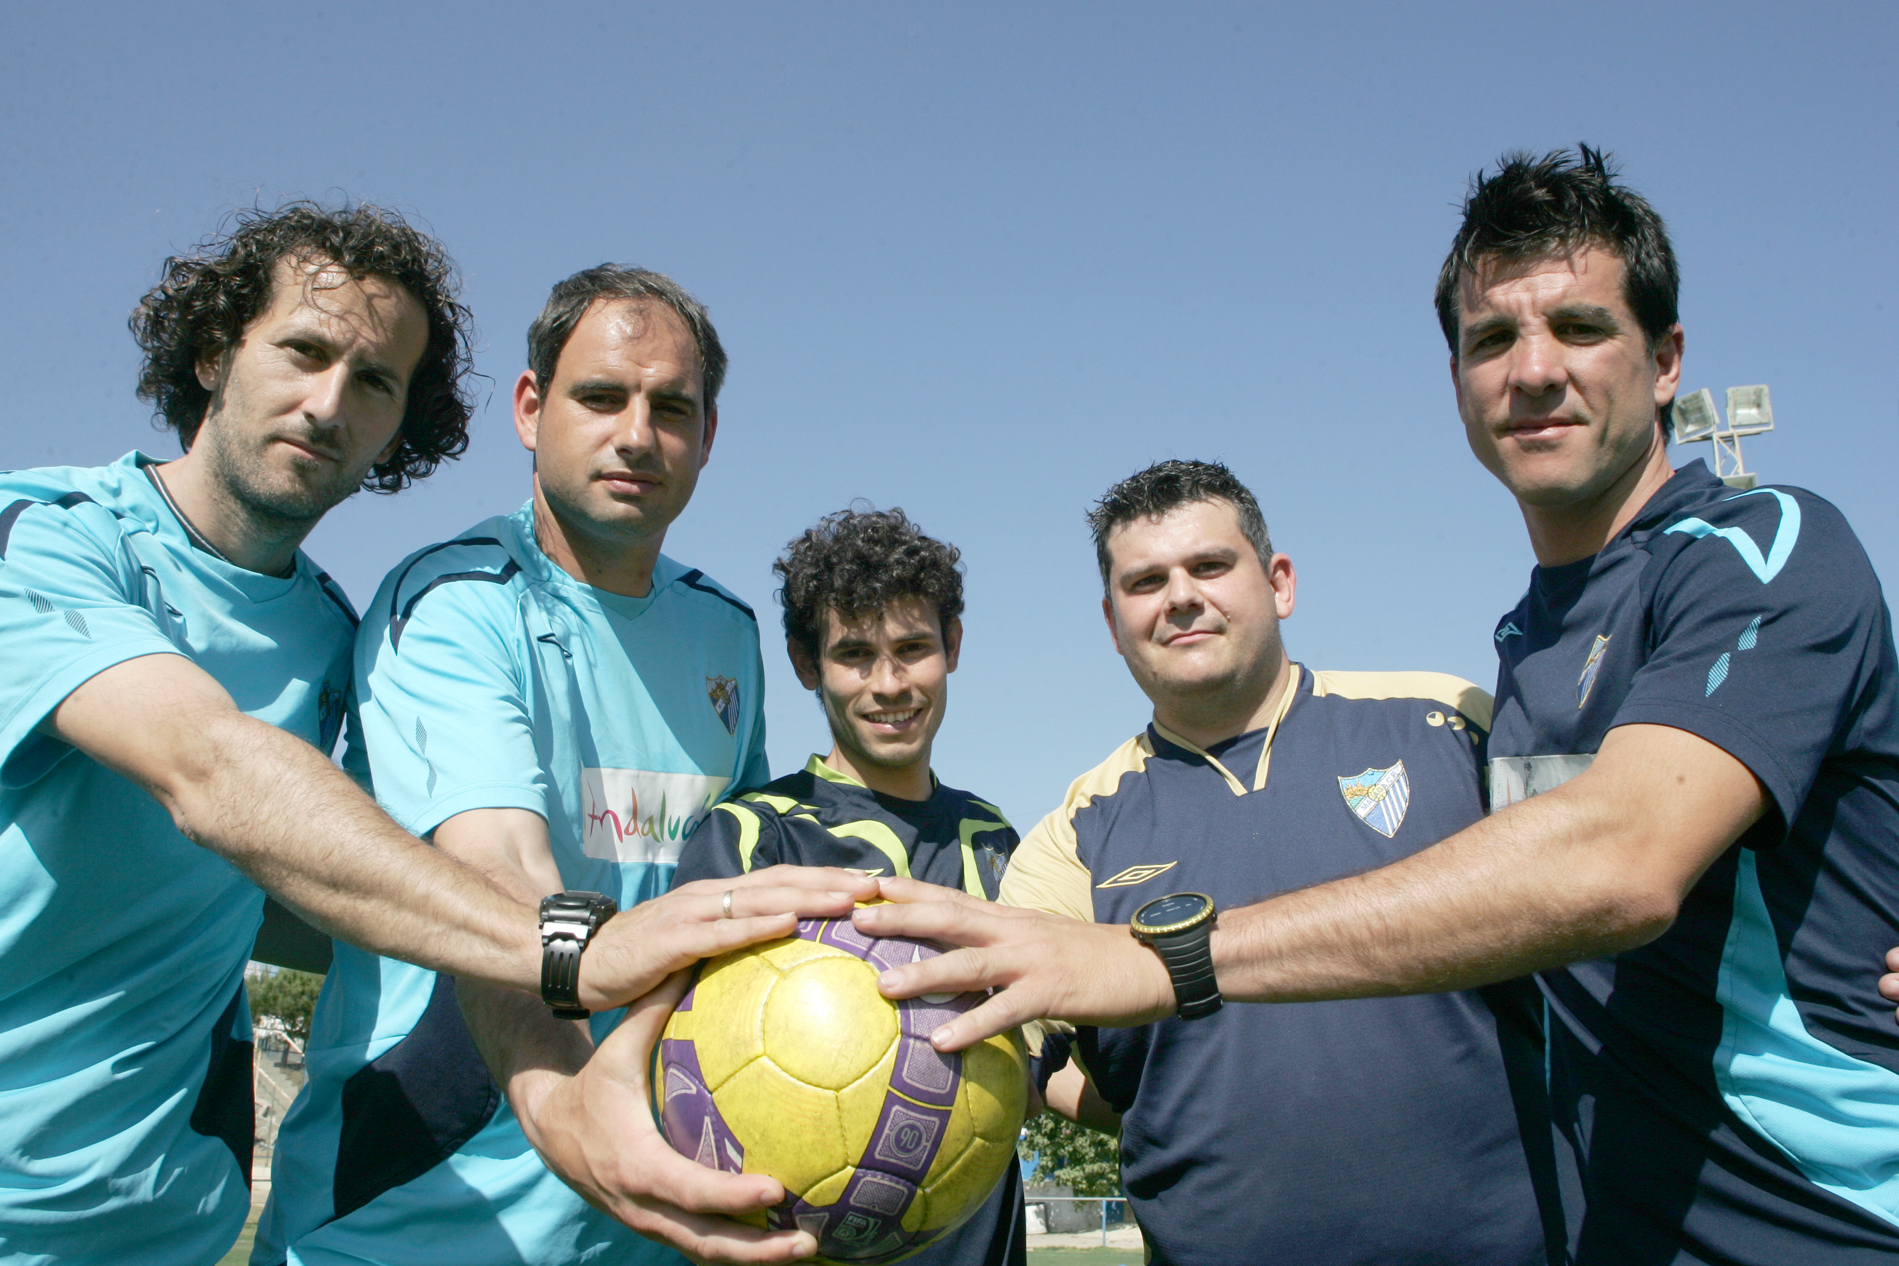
[(446, 726), (71, 606), (1766, 631), (1045, 872), (756, 772)]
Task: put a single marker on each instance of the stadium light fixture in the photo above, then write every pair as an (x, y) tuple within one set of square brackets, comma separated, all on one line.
[(1750, 412)]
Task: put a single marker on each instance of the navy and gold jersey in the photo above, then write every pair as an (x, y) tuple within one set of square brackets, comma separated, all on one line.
[(1730, 1091), (1370, 1130), (819, 817)]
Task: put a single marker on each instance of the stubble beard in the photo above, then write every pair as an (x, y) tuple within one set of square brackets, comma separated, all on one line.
[(277, 503)]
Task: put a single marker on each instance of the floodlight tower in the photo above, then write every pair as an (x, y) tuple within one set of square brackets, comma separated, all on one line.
[(1749, 413)]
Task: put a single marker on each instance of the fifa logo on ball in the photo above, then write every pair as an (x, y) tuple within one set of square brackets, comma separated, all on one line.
[(785, 1060)]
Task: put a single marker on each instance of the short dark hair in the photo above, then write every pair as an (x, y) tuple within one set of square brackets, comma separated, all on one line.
[(571, 298), (1537, 207), (857, 563), (207, 299), (1169, 485)]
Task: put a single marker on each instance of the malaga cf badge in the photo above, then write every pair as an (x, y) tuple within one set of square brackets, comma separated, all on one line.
[(723, 692), (1379, 797), (1590, 668)]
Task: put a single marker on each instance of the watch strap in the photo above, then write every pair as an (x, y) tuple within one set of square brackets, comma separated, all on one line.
[(568, 923), (1189, 959)]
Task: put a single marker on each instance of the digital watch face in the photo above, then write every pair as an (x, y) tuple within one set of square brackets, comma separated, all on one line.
[(1168, 911)]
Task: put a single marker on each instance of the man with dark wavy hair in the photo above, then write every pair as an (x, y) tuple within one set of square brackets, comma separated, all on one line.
[(177, 670), (1694, 774), (873, 625)]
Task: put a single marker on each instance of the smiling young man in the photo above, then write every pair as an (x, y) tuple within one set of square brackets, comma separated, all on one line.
[(555, 702), (1374, 1130), (872, 624), (1694, 772)]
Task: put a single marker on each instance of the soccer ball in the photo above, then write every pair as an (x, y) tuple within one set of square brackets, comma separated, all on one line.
[(785, 1060)]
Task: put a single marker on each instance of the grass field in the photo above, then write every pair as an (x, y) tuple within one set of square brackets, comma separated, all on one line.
[(241, 1251), (240, 1254)]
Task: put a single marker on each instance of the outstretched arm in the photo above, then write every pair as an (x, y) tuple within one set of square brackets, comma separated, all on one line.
[(588, 1114), (1598, 865), (281, 812)]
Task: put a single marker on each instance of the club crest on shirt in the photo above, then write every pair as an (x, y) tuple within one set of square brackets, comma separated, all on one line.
[(1137, 875), (1590, 668), (329, 715), (1379, 797), (994, 862), (723, 692)]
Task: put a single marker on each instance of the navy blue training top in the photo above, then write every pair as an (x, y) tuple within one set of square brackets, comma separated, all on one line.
[(1729, 1092), (1373, 1130)]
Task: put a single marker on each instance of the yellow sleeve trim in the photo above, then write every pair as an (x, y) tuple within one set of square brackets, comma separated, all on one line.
[(984, 804), (747, 832), (783, 804), (1453, 692), (880, 837)]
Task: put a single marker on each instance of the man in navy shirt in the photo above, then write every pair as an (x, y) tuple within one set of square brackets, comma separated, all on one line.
[(1695, 764), (1370, 1130)]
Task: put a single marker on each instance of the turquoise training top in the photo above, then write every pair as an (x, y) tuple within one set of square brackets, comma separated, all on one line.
[(489, 678), (125, 1093)]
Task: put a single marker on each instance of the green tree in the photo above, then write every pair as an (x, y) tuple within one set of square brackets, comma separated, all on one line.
[(288, 995), (1060, 1151)]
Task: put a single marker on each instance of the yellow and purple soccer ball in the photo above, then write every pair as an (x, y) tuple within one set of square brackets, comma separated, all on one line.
[(785, 1060)]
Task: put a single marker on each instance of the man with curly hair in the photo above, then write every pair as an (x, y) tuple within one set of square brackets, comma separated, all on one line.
[(873, 625), (177, 670), (556, 702)]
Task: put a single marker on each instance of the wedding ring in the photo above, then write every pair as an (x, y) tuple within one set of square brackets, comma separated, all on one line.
[(725, 903)]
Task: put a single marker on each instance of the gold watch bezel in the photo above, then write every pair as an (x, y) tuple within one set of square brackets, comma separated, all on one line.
[(1141, 929)]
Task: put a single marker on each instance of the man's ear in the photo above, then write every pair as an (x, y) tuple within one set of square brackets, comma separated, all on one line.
[(1107, 613), (527, 410), (802, 663), (1668, 365), (952, 644), (712, 429), (1285, 582), (210, 369)]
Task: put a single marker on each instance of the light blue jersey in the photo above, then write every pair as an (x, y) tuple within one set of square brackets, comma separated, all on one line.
[(491, 679), (125, 1084)]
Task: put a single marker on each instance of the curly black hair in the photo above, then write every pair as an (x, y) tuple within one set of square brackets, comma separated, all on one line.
[(858, 562), (1536, 207), (208, 298), (1168, 485)]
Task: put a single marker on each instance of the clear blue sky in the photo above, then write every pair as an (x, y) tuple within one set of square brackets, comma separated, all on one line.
[(981, 260)]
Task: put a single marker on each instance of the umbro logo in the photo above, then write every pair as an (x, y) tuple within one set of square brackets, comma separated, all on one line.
[(1137, 875), (1509, 630)]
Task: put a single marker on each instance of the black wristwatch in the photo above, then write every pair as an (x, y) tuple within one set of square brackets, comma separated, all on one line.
[(1179, 927), (568, 922)]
